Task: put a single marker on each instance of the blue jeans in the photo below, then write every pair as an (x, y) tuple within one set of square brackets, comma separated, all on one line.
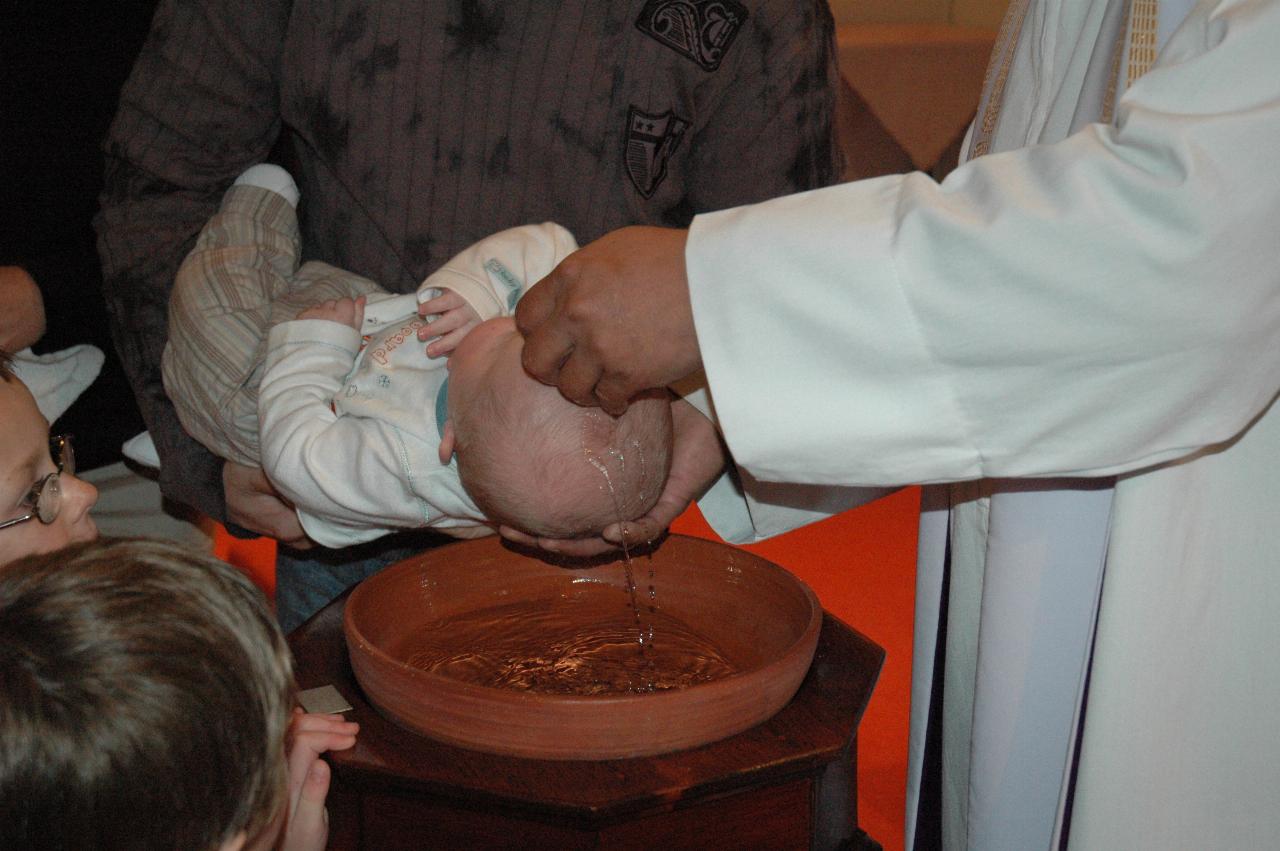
[(308, 580)]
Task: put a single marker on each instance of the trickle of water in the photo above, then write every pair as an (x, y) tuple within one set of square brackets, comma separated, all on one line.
[(645, 630), (580, 644), (644, 635)]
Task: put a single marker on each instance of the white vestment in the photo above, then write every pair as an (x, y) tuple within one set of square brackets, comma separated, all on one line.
[(1092, 301)]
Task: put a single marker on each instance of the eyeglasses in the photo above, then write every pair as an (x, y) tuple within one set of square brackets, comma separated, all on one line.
[(45, 496)]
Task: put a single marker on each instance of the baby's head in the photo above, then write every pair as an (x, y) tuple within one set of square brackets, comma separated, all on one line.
[(145, 692), (533, 460)]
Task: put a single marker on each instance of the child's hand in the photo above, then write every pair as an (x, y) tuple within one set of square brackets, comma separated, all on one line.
[(455, 319), (307, 828), (344, 311)]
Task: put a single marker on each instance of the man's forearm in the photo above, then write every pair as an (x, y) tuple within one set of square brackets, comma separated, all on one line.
[(138, 268), (189, 473), (198, 108)]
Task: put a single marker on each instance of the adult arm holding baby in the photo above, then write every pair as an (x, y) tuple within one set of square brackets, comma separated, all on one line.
[(394, 148), (163, 181), (218, 85)]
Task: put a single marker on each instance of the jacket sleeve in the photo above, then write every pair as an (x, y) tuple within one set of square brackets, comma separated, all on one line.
[(1084, 308), (199, 107)]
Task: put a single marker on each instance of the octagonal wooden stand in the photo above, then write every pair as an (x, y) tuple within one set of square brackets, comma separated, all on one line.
[(790, 782)]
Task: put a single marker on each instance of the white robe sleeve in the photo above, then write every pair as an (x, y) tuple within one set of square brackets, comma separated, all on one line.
[(743, 510), (1085, 308)]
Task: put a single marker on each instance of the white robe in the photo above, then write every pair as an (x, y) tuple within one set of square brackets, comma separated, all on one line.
[(1089, 301)]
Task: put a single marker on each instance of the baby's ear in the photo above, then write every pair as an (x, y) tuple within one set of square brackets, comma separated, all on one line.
[(446, 443)]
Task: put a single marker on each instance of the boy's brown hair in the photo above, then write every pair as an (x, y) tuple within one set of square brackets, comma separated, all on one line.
[(145, 693)]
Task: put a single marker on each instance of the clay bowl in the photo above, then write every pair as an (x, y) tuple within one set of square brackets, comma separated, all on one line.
[(754, 611)]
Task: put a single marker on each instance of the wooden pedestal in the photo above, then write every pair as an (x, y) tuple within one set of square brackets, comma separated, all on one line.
[(788, 783)]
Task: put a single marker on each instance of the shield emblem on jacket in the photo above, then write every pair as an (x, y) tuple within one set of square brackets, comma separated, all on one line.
[(651, 139)]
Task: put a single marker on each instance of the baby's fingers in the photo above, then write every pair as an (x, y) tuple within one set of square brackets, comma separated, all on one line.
[(442, 324), (447, 300), (447, 343), (446, 322)]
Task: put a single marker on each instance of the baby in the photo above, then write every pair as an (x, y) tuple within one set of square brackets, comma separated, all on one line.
[(314, 374)]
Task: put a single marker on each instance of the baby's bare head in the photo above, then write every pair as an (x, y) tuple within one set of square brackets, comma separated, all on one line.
[(533, 460)]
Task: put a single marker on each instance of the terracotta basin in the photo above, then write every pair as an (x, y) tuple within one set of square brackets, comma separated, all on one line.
[(754, 611)]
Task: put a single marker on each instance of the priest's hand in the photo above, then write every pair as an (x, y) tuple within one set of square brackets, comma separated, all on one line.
[(612, 319)]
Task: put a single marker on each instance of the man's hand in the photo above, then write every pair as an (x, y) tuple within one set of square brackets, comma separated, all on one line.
[(252, 502), (455, 318), (697, 459), (612, 319)]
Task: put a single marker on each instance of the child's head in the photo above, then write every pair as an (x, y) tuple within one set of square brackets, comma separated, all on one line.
[(533, 460), (145, 692), (28, 467)]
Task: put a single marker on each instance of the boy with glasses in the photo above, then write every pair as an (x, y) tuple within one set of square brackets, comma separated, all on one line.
[(43, 506)]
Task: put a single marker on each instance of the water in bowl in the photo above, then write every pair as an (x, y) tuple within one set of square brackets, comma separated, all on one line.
[(582, 643)]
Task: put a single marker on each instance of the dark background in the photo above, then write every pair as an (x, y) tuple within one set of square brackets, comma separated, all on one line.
[(62, 63)]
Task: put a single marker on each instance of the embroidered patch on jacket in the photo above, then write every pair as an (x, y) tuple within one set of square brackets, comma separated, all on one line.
[(651, 139), (701, 30)]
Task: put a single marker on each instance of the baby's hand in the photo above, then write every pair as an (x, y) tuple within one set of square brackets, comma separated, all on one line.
[(455, 319), (344, 311)]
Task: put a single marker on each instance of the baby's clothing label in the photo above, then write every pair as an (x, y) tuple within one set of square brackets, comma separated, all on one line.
[(504, 281), (442, 405)]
